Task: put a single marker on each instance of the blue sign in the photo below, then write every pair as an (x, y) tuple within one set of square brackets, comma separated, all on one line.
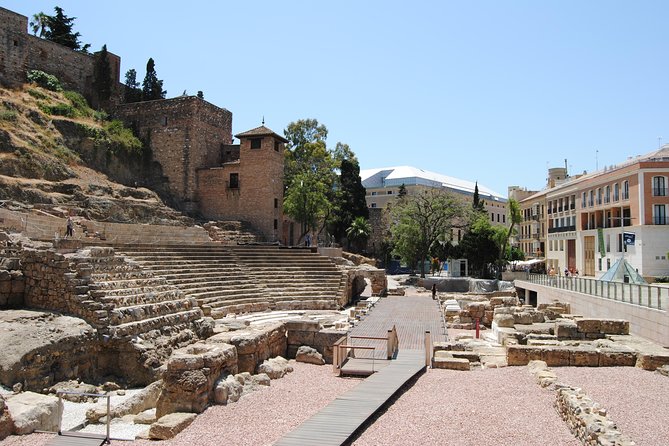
[(628, 238)]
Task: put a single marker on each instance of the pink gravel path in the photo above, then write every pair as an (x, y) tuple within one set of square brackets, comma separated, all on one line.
[(483, 407)]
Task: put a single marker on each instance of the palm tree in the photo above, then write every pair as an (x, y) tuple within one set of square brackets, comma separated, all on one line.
[(358, 232), (39, 22), (515, 217)]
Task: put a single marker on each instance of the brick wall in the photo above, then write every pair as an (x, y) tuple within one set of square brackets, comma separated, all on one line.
[(261, 171), (20, 52), (185, 134)]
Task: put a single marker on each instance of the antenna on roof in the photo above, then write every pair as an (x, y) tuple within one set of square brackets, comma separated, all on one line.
[(263, 119)]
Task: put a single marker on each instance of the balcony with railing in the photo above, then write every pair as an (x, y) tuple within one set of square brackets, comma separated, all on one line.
[(561, 229), (661, 220)]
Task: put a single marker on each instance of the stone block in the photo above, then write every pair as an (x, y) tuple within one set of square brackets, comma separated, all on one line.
[(309, 355), (33, 411), (450, 363), (522, 354), (652, 361), (170, 425), (615, 326), (302, 325), (504, 320), (555, 356), (523, 318), (469, 356), (301, 337), (588, 325), (566, 329), (583, 356), (617, 356)]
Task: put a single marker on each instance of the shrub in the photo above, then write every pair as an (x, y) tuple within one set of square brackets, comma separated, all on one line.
[(664, 279), (118, 139), (79, 103), (100, 115), (59, 110), (45, 80), (8, 115), (37, 94)]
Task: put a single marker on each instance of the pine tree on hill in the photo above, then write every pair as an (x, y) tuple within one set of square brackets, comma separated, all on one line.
[(59, 30), (152, 87)]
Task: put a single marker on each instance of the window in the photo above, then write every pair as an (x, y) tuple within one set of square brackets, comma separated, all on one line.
[(660, 214), (659, 187), (164, 120), (373, 205), (374, 193), (626, 190), (277, 146), (390, 192), (492, 217), (504, 218), (276, 224), (607, 194), (255, 143), (616, 192), (591, 199), (599, 196), (234, 181), (497, 218), (276, 204), (583, 200)]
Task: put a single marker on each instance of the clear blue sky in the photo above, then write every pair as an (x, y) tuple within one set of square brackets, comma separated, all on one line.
[(488, 91)]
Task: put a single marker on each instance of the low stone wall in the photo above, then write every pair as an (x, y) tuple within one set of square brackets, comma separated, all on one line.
[(309, 332), (577, 356), (589, 328), (12, 285), (255, 344), (587, 420), (191, 375)]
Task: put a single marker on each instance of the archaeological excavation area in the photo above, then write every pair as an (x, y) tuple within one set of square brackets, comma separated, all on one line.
[(177, 332)]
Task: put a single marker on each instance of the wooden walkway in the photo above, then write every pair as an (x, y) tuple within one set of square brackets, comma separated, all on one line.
[(340, 420)]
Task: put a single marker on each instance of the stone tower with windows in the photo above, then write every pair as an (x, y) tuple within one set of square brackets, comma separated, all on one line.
[(248, 184)]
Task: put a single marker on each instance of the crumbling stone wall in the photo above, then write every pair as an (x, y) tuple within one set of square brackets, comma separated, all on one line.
[(191, 375), (310, 333), (20, 52), (12, 285), (255, 344), (587, 420), (185, 134)]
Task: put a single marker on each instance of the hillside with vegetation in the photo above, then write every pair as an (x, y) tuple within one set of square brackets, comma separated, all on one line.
[(59, 155)]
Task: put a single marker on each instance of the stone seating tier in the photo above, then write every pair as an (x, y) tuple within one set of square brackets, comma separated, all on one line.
[(239, 279)]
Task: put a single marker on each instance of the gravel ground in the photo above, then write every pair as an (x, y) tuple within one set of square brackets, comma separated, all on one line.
[(483, 407), (636, 400)]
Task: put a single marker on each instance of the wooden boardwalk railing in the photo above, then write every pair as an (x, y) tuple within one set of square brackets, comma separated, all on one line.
[(416, 321)]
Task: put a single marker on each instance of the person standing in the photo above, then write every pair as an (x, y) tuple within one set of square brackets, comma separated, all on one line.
[(69, 229)]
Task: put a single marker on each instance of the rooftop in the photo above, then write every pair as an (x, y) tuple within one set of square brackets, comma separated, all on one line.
[(410, 176)]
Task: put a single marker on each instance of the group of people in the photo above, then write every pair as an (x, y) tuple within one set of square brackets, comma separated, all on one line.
[(568, 272)]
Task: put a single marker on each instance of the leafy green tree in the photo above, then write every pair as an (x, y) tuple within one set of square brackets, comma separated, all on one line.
[(132, 92), (350, 202), (358, 233), (152, 87), (39, 24), (480, 245), (102, 80), (308, 163), (419, 221), (59, 30)]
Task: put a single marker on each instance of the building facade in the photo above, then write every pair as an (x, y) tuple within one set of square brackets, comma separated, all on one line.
[(383, 185), (586, 217)]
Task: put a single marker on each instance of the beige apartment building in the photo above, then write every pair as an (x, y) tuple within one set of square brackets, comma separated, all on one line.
[(579, 222)]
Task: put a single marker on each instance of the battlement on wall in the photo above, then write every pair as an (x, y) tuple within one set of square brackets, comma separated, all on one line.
[(21, 52)]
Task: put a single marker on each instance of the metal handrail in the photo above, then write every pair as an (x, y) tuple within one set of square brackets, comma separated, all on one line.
[(60, 394), (644, 295)]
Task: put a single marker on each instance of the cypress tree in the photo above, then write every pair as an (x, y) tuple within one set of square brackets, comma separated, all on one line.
[(59, 30), (152, 87)]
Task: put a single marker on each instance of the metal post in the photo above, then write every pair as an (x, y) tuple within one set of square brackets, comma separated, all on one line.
[(108, 439), (428, 349), (478, 328), (389, 345), (60, 419)]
